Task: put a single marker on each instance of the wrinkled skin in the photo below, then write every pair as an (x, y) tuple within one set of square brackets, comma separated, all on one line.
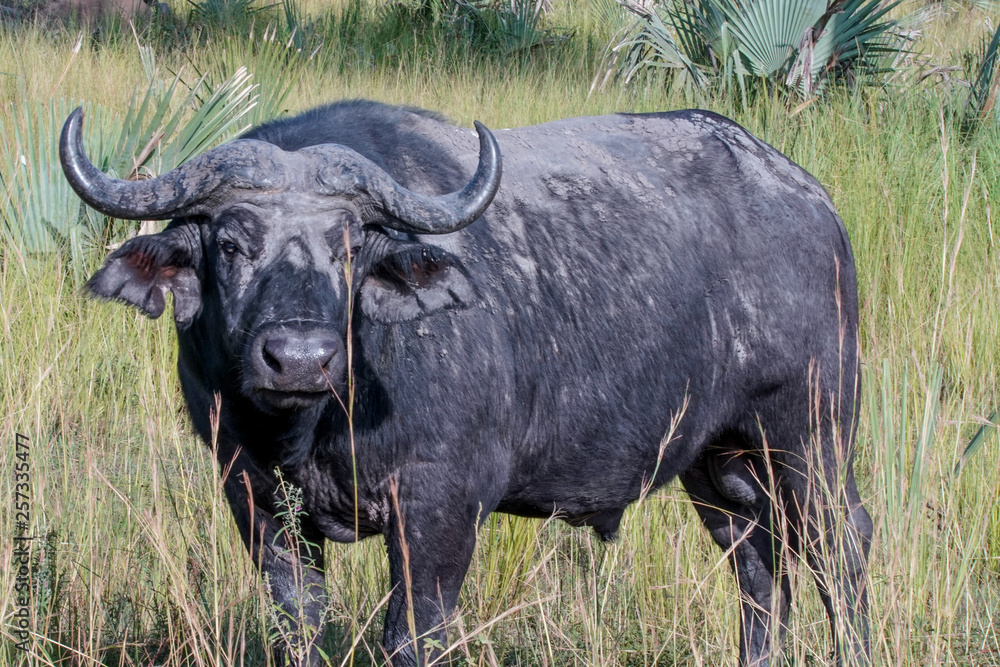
[(531, 362)]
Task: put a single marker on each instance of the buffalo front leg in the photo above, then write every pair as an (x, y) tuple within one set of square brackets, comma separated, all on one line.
[(430, 547), (727, 486), (289, 555)]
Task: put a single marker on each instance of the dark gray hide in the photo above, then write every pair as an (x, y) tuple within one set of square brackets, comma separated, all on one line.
[(530, 362)]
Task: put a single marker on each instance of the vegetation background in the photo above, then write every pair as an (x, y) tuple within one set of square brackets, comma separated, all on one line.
[(134, 558)]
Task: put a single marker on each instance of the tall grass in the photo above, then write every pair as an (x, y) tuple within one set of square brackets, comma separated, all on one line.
[(136, 560)]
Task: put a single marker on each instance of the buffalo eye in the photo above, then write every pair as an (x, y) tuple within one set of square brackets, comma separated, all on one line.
[(344, 258), (342, 222), (229, 249)]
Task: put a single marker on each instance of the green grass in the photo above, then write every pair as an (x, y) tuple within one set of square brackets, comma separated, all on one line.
[(138, 561)]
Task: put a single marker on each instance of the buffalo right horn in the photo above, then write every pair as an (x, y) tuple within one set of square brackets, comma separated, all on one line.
[(194, 187)]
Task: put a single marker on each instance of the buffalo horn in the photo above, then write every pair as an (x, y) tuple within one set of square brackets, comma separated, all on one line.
[(192, 188), (422, 214)]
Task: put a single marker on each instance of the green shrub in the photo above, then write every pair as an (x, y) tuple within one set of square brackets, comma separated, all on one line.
[(794, 45)]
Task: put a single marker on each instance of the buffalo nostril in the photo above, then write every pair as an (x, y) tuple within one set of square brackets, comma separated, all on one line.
[(271, 357), (329, 352)]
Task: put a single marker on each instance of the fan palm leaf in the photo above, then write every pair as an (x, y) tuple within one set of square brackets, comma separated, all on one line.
[(983, 91), (653, 46), (800, 44), (769, 32), (39, 212)]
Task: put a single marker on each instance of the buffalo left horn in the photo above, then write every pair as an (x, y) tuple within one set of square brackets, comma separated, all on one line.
[(195, 187)]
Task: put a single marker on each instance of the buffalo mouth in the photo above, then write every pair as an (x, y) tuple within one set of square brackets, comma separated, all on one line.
[(291, 400)]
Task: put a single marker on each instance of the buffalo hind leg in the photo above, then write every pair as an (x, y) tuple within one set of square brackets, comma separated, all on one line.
[(827, 518), (729, 489), (291, 561)]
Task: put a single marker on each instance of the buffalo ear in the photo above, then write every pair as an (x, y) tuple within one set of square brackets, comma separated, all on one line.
[(144, 269), (414, 280)]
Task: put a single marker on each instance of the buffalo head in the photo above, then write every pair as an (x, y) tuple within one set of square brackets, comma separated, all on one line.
[(269, 250)]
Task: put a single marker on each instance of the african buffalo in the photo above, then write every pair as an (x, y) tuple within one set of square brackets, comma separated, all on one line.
[(517, 345)]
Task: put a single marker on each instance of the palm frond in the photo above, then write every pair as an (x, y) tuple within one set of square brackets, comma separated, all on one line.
[(801, 45), (770, 32), (39, 210), (983, 92), (653, 46)]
